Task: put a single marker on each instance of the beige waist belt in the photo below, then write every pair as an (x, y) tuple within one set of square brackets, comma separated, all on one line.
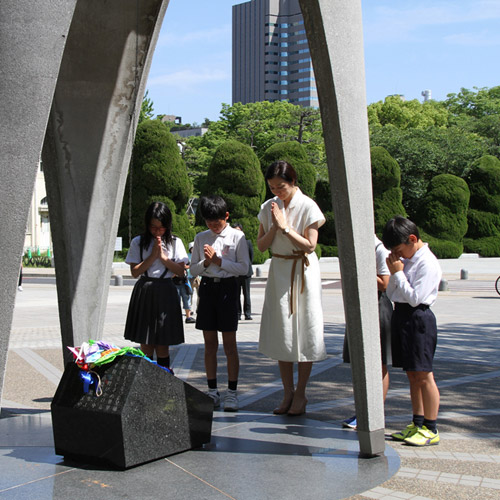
[(296, 256)]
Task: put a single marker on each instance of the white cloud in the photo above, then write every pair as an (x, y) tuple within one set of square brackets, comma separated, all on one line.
[(480, 39), (177, 39), (384, 22), (189, 78)]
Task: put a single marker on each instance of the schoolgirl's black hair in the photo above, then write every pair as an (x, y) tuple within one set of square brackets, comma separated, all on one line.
[(160, 211)]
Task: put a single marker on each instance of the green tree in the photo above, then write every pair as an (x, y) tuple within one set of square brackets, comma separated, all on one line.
[(403, 114), (235, 175), (157, 174), (423, 154), (259, 125), (146, 112), (293, 153)]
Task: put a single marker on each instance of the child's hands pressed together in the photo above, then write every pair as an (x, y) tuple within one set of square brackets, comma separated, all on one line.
[(211, 256), (394, 263)]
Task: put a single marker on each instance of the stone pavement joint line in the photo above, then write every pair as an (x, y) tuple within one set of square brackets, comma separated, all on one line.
[(447, 455), (387, 494), (49, 371), (445, 477)]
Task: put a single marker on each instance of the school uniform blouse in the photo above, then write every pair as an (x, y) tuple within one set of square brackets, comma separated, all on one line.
[(230, 245), (418, 283), (175, 252)]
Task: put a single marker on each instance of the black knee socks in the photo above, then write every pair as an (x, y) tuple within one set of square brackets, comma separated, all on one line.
[(164, 361)]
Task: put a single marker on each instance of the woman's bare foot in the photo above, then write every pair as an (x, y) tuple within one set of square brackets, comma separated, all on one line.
[(298, 406)]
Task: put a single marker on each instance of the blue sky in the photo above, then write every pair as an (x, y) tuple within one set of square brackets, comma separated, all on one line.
[(409, 46)]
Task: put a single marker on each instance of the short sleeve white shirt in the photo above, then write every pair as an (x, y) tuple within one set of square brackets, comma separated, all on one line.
[(175, 252)]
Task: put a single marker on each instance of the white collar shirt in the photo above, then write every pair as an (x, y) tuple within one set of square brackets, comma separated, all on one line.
[(230, 245), (418, 283)]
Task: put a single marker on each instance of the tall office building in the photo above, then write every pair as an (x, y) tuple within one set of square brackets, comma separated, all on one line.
[(271, 59)]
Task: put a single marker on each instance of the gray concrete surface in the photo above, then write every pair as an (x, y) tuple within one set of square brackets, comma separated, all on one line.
[(335, 37), (465, 465)]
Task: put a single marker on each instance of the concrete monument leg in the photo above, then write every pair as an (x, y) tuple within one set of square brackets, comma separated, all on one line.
[(87, 150), (32, 40), (334, 32)]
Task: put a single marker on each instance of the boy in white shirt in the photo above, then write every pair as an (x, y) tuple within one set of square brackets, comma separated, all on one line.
[(413, 287), (219, 255)]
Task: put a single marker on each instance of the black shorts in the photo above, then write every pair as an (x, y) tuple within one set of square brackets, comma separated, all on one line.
[(218, 307), (414, 337)]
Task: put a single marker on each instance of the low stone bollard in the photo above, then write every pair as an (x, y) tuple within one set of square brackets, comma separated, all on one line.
[(118, 280), (464, 274), (258, 272), (443, 285)]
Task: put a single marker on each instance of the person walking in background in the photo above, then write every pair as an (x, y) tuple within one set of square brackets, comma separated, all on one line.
[(20, 283), (385, 315), (413, 287), (244, 281), (154, 316), (291, 329), (185, 293), (220, 255)]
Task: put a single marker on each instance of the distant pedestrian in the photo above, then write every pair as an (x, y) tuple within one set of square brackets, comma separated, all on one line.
[(413, 287), (244, 281), (20, 283), (154, 316)]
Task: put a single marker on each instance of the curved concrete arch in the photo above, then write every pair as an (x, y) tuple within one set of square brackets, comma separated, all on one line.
[(87, 149), (32, 41)]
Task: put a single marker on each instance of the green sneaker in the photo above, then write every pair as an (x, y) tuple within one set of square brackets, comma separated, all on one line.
[(406, 433), (424, 437)]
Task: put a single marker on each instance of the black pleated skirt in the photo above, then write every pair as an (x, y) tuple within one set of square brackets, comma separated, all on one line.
[(154, 313)]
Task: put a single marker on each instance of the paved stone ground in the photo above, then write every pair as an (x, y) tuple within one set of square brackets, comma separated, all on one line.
[(465, 465)]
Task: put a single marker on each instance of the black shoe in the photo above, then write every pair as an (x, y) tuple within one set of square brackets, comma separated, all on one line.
[(190, 320), (248, 317)]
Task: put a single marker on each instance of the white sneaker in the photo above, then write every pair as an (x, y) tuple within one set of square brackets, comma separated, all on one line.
[(214, 394), (230, 401), (20, 288)]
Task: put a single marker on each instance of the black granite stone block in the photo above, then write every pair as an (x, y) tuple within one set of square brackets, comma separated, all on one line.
[(144, 413)]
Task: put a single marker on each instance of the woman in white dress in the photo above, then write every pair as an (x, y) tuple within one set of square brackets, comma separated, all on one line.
[(291, 329)]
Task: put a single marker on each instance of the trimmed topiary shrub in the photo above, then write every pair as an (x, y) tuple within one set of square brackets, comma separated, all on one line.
[(294, 153), (329, 251), (327, 234), (387, 193), (323, 195), (486, 247), (444, 208), (442, 249), (483, 236), (157, 173), (482, 223), (235, 175), (484, 184)]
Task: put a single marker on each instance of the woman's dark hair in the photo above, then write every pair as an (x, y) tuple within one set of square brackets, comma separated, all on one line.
[(160, 211), (281, 169), (213, 207), (398, 231)]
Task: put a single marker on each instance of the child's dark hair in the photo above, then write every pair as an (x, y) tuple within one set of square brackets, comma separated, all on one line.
[(213, 207), (281, 169), (398, 231), (160, 211)]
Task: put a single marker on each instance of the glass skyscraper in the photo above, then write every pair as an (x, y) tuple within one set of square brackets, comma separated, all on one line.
[(271, 59)]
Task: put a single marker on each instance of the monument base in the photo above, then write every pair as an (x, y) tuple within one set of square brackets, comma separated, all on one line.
[(144, 413)]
